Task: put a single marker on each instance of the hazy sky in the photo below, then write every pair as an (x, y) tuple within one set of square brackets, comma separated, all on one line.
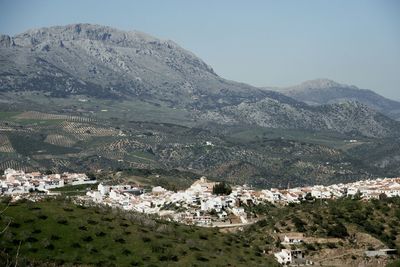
[(263, 43)]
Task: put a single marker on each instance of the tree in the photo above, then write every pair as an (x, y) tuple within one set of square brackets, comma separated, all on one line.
[(222, 189), (91, 175), (358, 195), (383, 196), (309, 197)]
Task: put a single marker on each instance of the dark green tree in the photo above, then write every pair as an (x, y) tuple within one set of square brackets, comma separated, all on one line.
[(222, 188)]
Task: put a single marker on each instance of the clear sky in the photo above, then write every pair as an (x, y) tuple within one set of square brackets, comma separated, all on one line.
[(260, 42)]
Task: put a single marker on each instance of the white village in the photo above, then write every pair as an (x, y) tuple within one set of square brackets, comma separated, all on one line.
[(197, 205)]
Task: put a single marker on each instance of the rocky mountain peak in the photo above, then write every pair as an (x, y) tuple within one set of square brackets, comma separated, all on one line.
[(91, 32), (103, 62), (320, 84)]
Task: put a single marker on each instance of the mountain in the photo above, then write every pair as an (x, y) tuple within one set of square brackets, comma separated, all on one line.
[(323, 92), (104, 63), (86, 97)]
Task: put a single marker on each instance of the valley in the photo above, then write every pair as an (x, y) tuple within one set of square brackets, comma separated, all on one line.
[(302, 174)]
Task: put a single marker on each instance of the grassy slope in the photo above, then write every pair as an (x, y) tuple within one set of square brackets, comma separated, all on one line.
[(60, 232)]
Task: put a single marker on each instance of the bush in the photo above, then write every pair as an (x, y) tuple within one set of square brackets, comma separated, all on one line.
[(146, 239), (92, 222), (100, 234), (120, 240), (36, 231), (201, 258), (87, 238), (54, 237), (126, 252), (331, 245), (299, 224), (76, 245), (62, 221), (49, 247), (338, 230), (42, 216), (31, 239)]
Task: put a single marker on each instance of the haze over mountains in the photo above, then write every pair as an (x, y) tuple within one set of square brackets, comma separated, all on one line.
[(106, 63), (324, 91)]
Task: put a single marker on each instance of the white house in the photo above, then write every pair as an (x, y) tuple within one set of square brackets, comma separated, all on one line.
[(287, 256), (292, 239)]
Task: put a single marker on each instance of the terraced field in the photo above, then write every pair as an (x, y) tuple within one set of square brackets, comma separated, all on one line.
[(83, 131), (39, 140), (34, 115), (5, 145), (60, 140)]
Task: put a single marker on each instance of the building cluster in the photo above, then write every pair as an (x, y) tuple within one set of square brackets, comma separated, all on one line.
[(195, 205), (15, 182), (365, 189), (198, 205)]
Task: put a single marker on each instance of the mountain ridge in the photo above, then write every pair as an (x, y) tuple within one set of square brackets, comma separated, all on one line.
[(325, 91), (103, 62)]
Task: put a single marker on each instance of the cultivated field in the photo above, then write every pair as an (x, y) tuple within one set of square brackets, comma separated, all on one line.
[(84, 131), (5, 145), (34, 115), (60, 140)]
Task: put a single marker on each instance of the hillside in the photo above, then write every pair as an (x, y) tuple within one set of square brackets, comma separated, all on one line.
[(324, 92), (84, 62), (262, 157), (59, 233), (335, 233)]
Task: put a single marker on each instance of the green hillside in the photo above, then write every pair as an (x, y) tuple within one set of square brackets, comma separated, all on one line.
[(58, 232)]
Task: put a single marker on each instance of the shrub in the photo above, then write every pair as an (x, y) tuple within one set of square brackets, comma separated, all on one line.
[(331, 245), (120, 240), (100, 234), (54, 237), (338, 230), (126, 252), (49, 247), (299, 224), (31, 239), (92, 222), (76, 245), (68, 209), (146, 239), (87, 238), (42, 216), (201, 258), (15, 225), (62, 221)]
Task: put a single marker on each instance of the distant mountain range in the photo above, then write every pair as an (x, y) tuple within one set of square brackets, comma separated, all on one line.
[(324, 92), (106, 63)]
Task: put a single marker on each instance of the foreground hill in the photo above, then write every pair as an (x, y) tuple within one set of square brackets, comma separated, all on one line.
[(58, 233), (102, 63), (324, 92)]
